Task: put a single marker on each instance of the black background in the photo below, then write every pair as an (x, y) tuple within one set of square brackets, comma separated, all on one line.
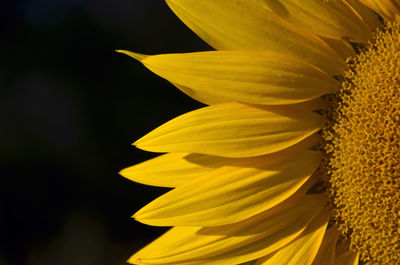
[(69, 109)]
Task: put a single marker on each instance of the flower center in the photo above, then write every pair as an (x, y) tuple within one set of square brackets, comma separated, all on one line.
[(363, 148)]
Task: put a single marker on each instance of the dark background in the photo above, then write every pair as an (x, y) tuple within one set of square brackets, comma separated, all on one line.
[(69, 109)]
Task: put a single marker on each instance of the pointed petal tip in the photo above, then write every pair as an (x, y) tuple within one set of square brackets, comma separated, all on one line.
[(142, 144), (137, 56), (136, 143), (145, 145), (140, 215), (139, 145), (122, 172), (134, 260), (139, 218)]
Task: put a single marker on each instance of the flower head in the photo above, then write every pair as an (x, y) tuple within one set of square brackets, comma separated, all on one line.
[(295, 160)]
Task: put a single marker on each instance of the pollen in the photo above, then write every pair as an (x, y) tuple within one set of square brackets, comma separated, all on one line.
[(363, 149)]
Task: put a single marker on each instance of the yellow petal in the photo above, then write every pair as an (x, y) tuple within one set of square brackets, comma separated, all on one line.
[(233, 130), (304, 248), (210, 99), (252, 262), (235, 243), (326, 253), (342, 47), (173, 169), (331, 19), (312, 105), (388, 9), (245, 25), (342, 247), (203, 97), (233, 193), (366, 14), (348, 258), (257, 77)]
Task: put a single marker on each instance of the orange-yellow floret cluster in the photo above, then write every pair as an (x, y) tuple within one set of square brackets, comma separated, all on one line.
[(363, 145)]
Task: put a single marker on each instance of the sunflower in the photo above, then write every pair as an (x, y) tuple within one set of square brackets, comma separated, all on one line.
[(296, 157)]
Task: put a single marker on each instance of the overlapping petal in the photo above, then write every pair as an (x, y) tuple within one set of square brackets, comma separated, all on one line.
[(245, 25), (173, 169), (241, 167), (331, 19), (233, 130), (201, 96), (326, 252), (258, 77), (348, 258), (342, 47), (234, 192), (388, 9), (235, 243), (304, 248), (312, 105), (366, 14)]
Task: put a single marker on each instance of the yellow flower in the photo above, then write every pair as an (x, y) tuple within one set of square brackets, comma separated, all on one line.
[(296, 160)]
